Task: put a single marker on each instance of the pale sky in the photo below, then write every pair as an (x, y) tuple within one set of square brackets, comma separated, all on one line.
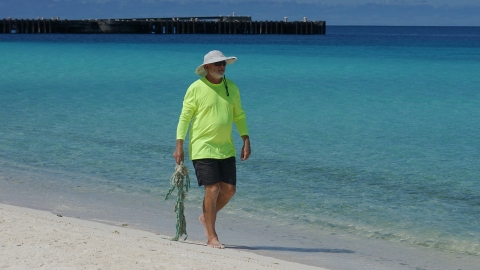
[(335, 12)]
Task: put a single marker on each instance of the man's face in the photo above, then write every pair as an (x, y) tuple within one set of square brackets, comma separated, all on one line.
[(217, 69)]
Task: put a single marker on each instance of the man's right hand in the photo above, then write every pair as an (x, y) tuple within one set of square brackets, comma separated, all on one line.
[(179, 154)]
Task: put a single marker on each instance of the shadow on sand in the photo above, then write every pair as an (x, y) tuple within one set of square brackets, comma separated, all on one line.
[(291, 249)]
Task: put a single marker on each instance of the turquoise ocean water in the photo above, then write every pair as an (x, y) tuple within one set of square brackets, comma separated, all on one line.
[(371, 132)]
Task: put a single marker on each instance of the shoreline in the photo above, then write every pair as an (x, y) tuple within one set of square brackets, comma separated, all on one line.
[(40, 239), (271, 238)]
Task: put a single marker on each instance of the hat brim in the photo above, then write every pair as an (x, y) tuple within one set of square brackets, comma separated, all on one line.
[(201, 70)]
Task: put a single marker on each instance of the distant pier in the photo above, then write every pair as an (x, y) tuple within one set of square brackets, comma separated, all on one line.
[(183, 25)]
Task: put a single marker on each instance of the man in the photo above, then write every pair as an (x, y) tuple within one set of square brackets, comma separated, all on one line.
[(212, 104)]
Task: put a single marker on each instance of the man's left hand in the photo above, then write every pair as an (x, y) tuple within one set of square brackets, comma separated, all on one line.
[(246, 151)]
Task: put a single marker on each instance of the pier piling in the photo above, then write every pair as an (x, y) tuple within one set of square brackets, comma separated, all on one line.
[(201, 25)]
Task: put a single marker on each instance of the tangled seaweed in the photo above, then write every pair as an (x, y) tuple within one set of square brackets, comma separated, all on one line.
[(180, 180)]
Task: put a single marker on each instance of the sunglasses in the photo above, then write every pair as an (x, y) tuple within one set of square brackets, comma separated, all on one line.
[(222, 63)]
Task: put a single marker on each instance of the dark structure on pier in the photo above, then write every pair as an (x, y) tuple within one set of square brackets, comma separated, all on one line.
[(184, 25)]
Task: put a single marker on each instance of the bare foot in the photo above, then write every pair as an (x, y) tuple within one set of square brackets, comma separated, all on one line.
[(201, 218), (213, 243)]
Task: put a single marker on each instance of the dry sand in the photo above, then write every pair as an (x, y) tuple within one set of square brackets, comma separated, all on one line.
[(33, 239)]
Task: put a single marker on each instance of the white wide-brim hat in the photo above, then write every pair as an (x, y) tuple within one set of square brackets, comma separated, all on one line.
[(213, 57)]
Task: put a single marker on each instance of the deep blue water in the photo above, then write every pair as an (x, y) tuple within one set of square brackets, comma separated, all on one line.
[(366, 130)]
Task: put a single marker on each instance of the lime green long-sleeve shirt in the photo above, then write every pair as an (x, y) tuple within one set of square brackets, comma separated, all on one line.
[(212, 114)]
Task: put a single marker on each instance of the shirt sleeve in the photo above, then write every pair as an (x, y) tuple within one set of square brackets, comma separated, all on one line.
[(239, 117), (188, 109)]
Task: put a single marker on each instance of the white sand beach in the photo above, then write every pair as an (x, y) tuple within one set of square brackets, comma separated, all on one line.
[(33, 239)]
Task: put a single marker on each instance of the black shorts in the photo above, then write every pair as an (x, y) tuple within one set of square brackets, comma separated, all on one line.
[(211, 171)]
